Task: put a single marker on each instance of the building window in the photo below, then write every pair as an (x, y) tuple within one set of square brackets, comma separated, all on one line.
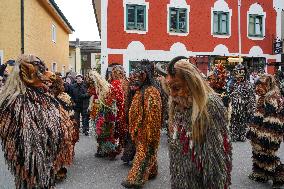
[(63, 70), (136, 17), (54, 67), (53, 33), (178, 20), (255, 25), (220, 23)]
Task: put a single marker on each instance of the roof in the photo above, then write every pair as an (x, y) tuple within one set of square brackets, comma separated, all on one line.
[(61, 14), (87, 45), (97, 11)]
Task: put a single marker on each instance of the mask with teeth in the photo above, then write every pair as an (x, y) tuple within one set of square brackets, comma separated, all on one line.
[(33, 72)]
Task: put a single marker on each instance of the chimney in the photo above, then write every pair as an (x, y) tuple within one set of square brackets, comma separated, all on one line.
[(77, 42)]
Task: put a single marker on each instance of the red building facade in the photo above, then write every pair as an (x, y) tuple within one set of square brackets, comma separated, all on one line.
[(211, 30)]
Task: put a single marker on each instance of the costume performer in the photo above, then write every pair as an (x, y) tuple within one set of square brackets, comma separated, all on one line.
[(266, 133), (33, 127), (57, 90), (144, 124), (243, 102), (108, 114), (199, 141), (118, 73), (279, 77), (217, 80), (118, 78)]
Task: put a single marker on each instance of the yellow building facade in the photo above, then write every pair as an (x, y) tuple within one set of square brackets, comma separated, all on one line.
[(45, 32)]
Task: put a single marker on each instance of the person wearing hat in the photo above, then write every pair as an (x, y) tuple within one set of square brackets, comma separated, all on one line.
[(80, 96)]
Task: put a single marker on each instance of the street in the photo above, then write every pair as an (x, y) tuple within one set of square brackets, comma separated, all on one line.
[(89, 172)]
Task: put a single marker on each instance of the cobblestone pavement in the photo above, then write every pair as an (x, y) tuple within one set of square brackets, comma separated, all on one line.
[(89, 172)]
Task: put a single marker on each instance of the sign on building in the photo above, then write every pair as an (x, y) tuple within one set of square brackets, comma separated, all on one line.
[(278, 47)]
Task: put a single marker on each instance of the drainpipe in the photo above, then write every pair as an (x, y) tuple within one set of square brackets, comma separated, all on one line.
[(75, 60), (239, 29), (22, 27)]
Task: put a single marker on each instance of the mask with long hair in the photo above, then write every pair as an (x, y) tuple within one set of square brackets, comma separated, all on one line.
[(199, 92)]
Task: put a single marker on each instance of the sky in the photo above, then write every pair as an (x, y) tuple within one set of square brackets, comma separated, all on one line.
[(80, 14)]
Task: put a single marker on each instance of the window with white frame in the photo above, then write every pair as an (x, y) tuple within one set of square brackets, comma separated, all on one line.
[(255, 27), (221, 23), (178, 20), (53, 33), (63, 70), (136, 17)]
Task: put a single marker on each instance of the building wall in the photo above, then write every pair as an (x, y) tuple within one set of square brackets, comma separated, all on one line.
[(10, 29), (156, 44), (199, 26), (270, 26), (38, 36)]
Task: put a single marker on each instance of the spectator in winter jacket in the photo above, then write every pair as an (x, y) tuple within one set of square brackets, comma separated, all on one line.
[(80, 96), (3, 68)]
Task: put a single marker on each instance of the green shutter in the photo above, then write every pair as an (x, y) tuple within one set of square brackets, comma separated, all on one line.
[(227, 23), (126, 17), (145, 21), (215, 23)]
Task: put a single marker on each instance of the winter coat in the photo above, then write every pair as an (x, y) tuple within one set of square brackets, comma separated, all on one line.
[(80, 96)]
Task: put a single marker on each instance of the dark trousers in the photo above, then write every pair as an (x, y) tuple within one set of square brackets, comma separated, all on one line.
[(85, 118)]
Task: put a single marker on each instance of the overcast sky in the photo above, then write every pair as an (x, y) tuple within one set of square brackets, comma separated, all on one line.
[(80, 14)]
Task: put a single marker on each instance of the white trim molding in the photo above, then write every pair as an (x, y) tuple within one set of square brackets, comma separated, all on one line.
[(53, 33), (256, 51), (221, 5), (256, 9), (1, 57), (136, 2), (278, 5), (136, 52), (221, 50), (178, 4), (104, 39)]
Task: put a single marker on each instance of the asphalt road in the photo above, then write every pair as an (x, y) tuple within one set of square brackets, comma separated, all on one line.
[(89, 172)]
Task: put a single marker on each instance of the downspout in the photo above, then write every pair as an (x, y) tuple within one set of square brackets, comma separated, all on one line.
[(22, 28), (239, 29), (75, 60)]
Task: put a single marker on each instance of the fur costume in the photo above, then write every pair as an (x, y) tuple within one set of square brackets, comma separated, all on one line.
[(34, 127), (200, 166), (109, 117), (145, 124), (217, 80), (199, 143), (57, 90), (243, 101), (145, 121), (266, 133)]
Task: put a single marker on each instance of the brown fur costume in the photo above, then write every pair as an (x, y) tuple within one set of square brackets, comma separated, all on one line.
[(34, 126)]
